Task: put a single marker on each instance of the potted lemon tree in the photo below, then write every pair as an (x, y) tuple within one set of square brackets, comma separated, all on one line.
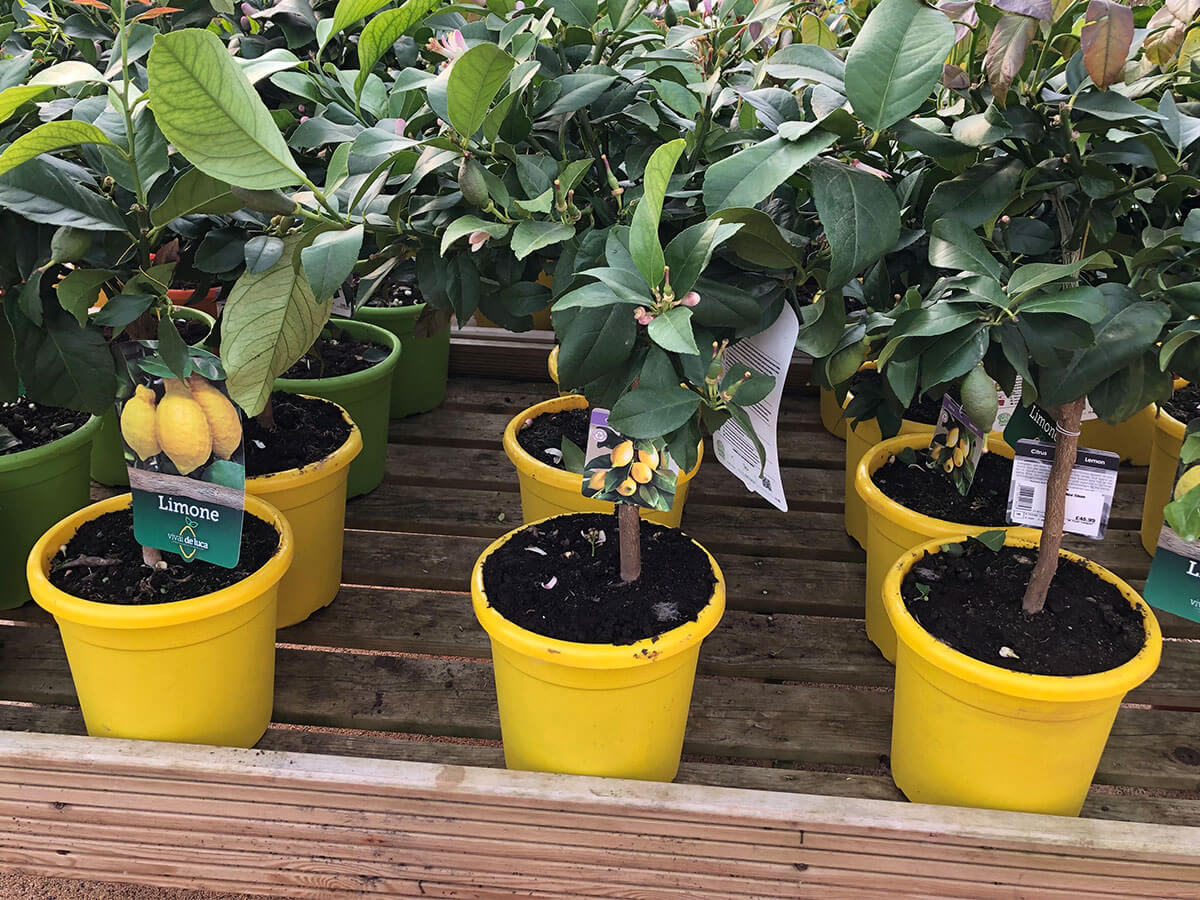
[(1045, 278)]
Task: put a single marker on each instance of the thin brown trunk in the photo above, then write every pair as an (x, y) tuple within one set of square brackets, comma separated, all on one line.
[(629, 525), (266, 418), (1056, 505), (151, 556)]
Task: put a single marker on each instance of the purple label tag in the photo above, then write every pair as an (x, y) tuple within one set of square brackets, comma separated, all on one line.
[(957, 445), (618, 469)]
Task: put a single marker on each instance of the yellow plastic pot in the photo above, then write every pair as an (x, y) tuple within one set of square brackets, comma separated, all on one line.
[(831, 414), (893, 529), (314, 500), (1160, 481), (1131, 439), (966, 733), (594, 709), (199, 671), (547, 491)]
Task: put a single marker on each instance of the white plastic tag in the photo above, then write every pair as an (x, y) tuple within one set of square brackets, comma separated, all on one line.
[(767, 353), (1089, 492)]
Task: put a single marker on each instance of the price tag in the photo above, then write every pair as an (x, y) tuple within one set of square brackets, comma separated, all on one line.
[(957, 446), (618, 469), (1089, 492), (1174, 582), (768, 353)]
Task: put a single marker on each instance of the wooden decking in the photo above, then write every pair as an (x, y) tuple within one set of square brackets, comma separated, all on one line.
[(791, 698)]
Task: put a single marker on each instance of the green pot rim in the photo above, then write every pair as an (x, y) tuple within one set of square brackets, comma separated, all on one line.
[(58, 447), (379, 371)]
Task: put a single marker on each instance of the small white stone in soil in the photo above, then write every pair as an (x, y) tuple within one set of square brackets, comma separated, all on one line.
[(538, 550), (260, 445), (554, 454), (665, 611), (1008, 653)]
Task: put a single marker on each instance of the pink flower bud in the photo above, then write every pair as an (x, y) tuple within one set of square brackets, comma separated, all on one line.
[(303, 119), (477, 240), (245, 22), (300, 107), (691, 298), (639, 312), (645, 319), (247, 9), (1005, 219)]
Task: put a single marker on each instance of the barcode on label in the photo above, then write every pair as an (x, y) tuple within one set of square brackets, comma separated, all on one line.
[(1025, 495)]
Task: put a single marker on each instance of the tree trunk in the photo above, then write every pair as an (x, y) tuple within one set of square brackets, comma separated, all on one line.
[(1068, 417), (266, 418), (151, 556), (629, 525)]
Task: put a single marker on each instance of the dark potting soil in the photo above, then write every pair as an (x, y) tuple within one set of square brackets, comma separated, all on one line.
[(974, 605), (922, 490), (546, 432), (551, 580), (924, 409), (1184, 404), (330, 357), (192, 331), (306, 431), (103, 562), (25, 425), (396, 293)]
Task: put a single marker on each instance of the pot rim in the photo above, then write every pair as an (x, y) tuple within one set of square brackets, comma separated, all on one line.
[(23, 459), (162, 615), (881, 503), (382, 369), (1052, 688), (592, 656), (290, 479), (547, 474)]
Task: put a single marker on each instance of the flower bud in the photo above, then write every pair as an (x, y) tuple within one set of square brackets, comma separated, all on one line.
[(691, 298)]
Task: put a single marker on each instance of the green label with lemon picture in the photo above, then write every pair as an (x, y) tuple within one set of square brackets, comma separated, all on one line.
[(185, 456), (624, 470)]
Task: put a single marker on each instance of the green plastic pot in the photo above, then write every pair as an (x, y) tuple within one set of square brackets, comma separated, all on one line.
[(366, 396), (108, 453), (39, 487), (419, 380)]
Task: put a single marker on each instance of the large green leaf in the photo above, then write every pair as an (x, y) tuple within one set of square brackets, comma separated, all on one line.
[(653, 412), (954, 354), (759, 241), (211, 113), (860, 215), (193, 193), (270, 320), (474, 81), (80, 289), (977, 195), (1127, 392), (808, 63), (673, 332), (579, 89), (465, 225), (329, 259), (748, 176), (596, 343), (41, 193), (49, 137), (644, 245), (1034, 275), (532, 235), (896, 60), (954, 245), (347, 12), (62, 363), (689, 252), (13, 98), (575, 12), (384, 30)]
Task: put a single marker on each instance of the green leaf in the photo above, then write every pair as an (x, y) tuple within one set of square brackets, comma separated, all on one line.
[(982, 129), (860, 215), (1033, 276), (211, 113), (270, 320), (808, 63), (80, 289), (1083, 302), (644, 245), (725, 306), (653, 413), (896, 60), (474, 81), (41, 193), (261, 252), (689, 252), (1127, 392), (596, 343), (346, 13), (1183, 515), (49, 137), (993, 540), (822, 324), (575, 12), (13, 98), (67, 73), (384, 30), (172, 349), (193, 193), (572, 457), (531, 235), (930, 321), (759, 241), (673, 332), (580, 89), (62, 363), (954, 245), (1112, 107), (122, 309), (276, 60), (954, 355), (594, 296), (330, 258), (747, 177), (466, 225), (977, 195)]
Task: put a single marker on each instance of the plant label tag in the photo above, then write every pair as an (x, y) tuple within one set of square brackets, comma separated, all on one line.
[(957, 446), (1089, 491), (1034, 421), (768, 353), (1174, 582), (341, 301), (185, 456), (618, 469)]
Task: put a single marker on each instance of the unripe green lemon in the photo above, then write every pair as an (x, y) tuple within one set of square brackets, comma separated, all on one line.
[(69, 244), (472, 184), (979, 400)]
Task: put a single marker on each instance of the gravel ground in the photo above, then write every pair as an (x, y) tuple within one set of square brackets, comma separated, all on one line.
[(25, 887)]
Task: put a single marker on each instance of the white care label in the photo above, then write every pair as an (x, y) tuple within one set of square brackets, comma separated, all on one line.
[(341, 304), (768, 353), (1089, 491)]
